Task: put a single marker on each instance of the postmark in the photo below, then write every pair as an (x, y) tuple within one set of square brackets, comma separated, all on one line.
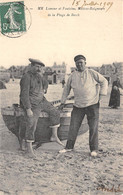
[(15, 19)]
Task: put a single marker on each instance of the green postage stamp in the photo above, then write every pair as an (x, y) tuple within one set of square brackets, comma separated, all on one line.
[(12, 16)]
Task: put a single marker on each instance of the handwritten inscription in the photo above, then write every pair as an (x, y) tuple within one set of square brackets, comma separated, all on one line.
[(85, 4), (113, 189)]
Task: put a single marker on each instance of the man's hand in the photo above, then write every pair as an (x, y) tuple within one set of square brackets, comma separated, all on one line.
[(29, 112), (61, 107), (45, 91)]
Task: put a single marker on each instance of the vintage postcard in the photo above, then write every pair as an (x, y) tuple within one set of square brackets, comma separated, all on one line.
[(50, 33)]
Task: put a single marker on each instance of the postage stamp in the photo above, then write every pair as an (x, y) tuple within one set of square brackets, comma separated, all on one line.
[(15, 19)]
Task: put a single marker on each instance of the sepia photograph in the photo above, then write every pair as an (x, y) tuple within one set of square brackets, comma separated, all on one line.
[(61, 97)]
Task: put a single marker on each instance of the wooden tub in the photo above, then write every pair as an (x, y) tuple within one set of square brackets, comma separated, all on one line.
[(14, 119)]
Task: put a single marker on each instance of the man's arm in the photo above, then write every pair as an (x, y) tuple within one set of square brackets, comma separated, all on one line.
[(24, 91), (45, 85), (66, 90), (102, 82)]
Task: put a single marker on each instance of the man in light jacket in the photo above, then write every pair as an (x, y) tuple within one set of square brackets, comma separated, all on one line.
[(88, 87)]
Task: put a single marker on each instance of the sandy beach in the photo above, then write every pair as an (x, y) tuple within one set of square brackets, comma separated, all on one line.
[(72, 173)]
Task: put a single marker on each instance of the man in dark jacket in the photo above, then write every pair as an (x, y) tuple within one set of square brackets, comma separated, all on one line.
[(32, 100)]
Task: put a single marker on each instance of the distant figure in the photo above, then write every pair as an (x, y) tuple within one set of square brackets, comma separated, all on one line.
[(2, 85), (114, 101), (63, 83), (89, 87)]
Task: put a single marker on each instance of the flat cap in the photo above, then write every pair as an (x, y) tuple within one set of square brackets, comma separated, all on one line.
[(78, 57), (35, 61)]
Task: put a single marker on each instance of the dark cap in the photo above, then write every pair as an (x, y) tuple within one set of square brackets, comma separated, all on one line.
[(35, 61), (78, 57)]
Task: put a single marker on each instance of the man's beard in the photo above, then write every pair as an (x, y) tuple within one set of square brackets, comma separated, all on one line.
[(80, 70)]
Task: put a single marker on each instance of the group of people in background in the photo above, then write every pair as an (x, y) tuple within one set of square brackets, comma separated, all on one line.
[(89, 87)]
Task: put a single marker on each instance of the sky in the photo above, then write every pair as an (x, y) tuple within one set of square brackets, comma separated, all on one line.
[(95, 34)]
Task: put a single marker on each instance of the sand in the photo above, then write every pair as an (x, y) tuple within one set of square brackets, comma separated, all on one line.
[(72, 173)]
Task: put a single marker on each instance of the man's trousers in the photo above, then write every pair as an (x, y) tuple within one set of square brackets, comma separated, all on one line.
[(77, 117), (31, 121)]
